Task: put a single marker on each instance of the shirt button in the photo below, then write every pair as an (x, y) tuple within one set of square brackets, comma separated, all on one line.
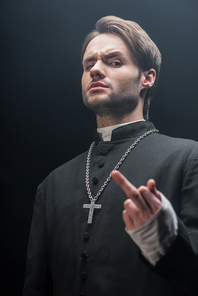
[(104, 151), (100, 163), (86, 235), (83, 275), (83, 256), (95, 180)]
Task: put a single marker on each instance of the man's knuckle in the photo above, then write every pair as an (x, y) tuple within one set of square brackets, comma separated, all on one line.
[(135, 195)]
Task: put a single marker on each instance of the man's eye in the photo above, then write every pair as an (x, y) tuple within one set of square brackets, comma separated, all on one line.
[(116, 63), (89, 67)]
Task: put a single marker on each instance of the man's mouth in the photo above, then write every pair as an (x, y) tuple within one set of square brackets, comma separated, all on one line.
[(97, 86)]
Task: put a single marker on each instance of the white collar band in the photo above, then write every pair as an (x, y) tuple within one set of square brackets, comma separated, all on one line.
[(106, 132)]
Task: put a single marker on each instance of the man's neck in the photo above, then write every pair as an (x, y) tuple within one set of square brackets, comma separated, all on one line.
[(106, 121)]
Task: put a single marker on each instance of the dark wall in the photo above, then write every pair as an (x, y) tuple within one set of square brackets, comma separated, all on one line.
[(44, 121)]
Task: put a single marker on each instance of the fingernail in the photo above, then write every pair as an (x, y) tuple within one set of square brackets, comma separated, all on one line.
[(115, 176)]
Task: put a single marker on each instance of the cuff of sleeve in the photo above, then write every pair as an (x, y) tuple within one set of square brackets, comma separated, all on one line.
[(156, 236)]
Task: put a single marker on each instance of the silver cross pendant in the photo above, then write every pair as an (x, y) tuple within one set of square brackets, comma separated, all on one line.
[(91, 208)]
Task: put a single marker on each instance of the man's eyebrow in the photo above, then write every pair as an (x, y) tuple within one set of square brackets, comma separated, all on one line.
[(106, 56), (113, 54), (88, 59)]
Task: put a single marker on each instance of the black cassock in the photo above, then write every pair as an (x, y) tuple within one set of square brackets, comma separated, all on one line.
[(68, 256)]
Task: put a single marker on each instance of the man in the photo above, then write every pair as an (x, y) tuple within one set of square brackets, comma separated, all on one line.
[(77, 243)]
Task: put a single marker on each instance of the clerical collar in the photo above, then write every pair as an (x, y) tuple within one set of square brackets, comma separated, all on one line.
[(106, 132)]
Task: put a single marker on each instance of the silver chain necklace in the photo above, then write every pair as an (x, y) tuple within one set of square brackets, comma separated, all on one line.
[(92, 204)]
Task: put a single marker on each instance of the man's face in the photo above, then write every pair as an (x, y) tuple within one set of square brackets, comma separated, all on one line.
[(111, 81)]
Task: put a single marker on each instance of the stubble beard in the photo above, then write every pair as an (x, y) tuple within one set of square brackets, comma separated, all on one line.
[(116, 105)]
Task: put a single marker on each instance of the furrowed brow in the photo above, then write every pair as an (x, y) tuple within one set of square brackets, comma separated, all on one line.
[(106, 56), (114, 54), (88, 59)]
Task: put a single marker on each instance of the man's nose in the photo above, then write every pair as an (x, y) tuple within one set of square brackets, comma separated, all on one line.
[(97, 71)]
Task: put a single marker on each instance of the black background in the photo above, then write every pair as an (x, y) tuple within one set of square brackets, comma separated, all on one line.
[(44, 122)]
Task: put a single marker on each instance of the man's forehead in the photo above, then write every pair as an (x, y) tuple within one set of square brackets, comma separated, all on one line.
[(105, 44)]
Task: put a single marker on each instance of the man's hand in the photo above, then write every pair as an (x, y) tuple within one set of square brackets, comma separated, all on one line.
[(142, 202)]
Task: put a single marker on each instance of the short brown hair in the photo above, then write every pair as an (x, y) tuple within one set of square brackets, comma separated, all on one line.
[(143, 49)]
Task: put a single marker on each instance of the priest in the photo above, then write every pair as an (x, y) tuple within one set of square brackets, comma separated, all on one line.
[(122, 218)]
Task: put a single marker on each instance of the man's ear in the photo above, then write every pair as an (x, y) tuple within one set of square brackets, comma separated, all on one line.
[(148, 78)]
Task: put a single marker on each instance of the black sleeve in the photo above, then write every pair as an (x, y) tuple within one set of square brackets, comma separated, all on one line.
[(180, 264), (38, 279)]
